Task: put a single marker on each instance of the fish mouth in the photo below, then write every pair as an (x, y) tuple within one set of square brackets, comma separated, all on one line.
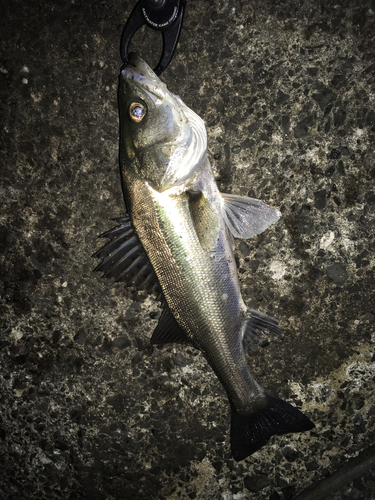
[(143, 76)]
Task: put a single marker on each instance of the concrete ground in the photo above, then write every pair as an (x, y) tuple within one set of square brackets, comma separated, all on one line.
[(88, 409)]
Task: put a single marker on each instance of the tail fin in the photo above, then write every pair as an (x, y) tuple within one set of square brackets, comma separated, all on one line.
[(250, 433)]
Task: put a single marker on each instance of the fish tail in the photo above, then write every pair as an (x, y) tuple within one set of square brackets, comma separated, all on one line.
[(250, 432)]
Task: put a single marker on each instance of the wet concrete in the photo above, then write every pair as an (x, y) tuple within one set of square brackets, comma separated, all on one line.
[(88, 409)]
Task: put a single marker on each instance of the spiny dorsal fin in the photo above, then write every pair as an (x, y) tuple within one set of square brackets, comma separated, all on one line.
[(246, 217), (168, 330), (124, 259)]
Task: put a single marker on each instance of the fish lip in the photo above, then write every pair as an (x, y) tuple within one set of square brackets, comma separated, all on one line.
[(137, 69), (130, 73), (140, 73)]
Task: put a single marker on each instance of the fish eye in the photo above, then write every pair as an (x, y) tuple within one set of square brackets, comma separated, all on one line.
[(137, 112)]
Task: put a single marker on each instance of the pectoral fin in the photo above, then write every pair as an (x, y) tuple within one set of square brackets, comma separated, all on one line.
[(246, 217), (205, 218)]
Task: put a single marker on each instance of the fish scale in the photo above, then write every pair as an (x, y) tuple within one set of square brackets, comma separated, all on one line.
[(193, 284)]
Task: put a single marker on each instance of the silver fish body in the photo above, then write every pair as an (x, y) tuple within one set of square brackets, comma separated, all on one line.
[(181, 231)]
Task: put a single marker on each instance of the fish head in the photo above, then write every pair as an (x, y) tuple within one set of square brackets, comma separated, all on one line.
[(162, 141)]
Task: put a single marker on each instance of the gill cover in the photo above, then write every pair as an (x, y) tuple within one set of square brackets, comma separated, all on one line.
[(166, 145)]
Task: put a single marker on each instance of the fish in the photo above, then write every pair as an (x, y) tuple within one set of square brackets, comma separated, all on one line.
[(177, 241)]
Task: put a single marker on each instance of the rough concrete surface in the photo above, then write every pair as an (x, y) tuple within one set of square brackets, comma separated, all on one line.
[(88, 409)]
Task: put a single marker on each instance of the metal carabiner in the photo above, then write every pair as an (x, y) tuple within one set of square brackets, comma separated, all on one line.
[(162, 15)]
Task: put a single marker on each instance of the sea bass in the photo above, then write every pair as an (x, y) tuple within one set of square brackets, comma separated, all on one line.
[(177, 240)]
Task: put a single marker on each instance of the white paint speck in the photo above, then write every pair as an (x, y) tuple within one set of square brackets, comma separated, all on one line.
[(323, 393), (25, 81), (217, 131), (239, 496), (41, 457), (25, 69), (277, 138), (16, 333), (36, 97), (327, 240), (348, 244), (278, 269), (187, 371)]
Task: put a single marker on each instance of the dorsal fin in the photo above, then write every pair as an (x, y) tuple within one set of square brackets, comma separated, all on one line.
[(168, 330), (124, 259)]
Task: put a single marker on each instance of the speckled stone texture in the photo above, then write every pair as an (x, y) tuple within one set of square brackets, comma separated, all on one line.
[(88, 409)]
